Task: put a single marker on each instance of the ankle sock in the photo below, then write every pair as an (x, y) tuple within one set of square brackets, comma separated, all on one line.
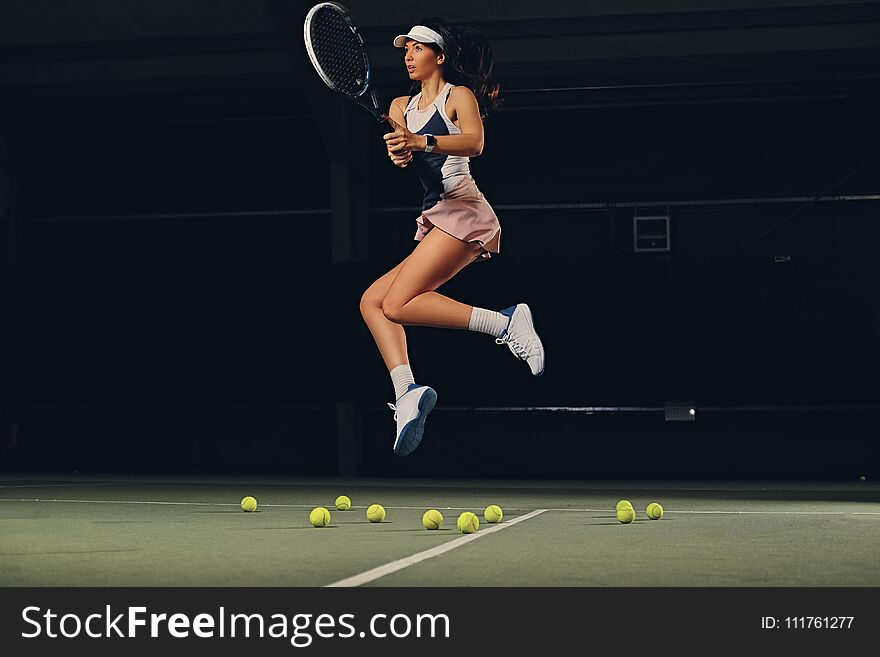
[(401, 377), (488, 321)]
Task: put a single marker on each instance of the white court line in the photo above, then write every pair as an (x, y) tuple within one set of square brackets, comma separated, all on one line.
[(785, 513), (722, 512), (441, 508), (73, 485), (400, 564), (31, 499), (235, 504), (562, 485)]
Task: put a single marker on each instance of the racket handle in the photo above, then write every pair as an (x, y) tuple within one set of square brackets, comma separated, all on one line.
[(387, 119), (394, 126)]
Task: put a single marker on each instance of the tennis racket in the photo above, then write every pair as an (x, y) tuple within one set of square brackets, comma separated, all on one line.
[(340, 58)]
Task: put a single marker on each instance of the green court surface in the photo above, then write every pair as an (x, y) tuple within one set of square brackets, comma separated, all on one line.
[(78, 530)]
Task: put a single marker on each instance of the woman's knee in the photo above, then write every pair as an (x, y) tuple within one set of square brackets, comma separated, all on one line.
[(374, 296), (371, 300), (392, 309)]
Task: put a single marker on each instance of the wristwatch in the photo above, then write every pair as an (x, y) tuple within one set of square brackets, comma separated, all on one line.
[(430, 143)]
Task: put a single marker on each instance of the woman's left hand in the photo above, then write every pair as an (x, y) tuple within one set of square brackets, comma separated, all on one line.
[(403, 140)]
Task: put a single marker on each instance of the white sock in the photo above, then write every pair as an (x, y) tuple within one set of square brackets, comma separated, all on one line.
[(488, 321), (401, 377)]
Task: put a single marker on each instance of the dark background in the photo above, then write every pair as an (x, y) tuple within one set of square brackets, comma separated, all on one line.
[(183, 266)]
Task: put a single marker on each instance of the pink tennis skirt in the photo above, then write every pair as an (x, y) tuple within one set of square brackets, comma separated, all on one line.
[(463, 212)]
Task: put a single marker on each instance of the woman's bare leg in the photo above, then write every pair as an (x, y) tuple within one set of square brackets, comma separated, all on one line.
[(389, 337), (411, 301)]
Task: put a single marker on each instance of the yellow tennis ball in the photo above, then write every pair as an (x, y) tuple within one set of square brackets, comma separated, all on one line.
[(493, 513), (622, 504), (626, 514), (343, 503), (432, 519), (376, 513), (248, 504), (319, 517), (468, 523), (654, 511)]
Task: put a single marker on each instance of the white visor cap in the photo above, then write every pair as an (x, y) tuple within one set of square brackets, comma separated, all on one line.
[(421, 34)]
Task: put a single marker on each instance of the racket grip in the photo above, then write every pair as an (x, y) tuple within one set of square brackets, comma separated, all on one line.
[(387, 119), (394, 125)]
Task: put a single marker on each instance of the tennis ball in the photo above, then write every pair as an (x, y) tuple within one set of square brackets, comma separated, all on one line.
[(248, 504), (654, 511), (432, 519), (626, 514), (376, 513), (468, 523), (343, 503), (319, 517), (493, 513), (622, 504)]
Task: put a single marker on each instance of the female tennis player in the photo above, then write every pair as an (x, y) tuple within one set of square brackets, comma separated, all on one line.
[(440, 129)]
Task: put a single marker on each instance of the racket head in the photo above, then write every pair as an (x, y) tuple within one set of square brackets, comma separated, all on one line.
[(336, 49)]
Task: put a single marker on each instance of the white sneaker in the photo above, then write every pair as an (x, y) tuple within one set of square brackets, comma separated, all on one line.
[(411, 412), (522, 339)]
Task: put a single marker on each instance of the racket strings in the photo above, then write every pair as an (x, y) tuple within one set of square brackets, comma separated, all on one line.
[(339, 52)]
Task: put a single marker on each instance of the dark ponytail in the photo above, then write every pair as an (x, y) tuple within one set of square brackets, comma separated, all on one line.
[(469, 62)]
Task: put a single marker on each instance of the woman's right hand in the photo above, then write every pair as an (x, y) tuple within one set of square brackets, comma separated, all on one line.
[(401, 159)]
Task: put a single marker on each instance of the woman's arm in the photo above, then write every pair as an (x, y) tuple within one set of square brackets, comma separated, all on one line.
[(400, 157), (396, 110), (468, 144)]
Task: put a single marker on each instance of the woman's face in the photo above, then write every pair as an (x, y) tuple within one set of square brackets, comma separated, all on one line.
[(420, 60)]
